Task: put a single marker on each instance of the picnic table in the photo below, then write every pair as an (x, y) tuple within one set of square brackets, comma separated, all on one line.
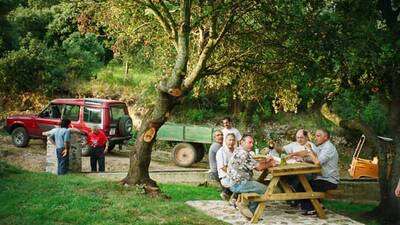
[(278, 173)]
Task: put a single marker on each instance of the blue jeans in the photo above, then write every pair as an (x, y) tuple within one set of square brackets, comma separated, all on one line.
[(249, 186), (63, 162)]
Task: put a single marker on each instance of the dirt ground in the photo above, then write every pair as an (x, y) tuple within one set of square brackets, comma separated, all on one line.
[(33, 158)]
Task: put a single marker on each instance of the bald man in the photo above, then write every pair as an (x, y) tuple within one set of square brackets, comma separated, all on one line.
[(302, 143)]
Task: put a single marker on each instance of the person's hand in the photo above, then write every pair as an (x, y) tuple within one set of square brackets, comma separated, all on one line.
[(397, 191), (64, 152)]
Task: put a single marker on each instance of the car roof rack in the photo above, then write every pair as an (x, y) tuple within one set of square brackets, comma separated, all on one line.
[(94, 101)]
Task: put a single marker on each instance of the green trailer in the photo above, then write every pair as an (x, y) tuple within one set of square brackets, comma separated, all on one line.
[(191, 141)]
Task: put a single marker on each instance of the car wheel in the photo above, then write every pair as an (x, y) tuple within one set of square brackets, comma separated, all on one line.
[(125, 126), (20, 137), (184, 154)]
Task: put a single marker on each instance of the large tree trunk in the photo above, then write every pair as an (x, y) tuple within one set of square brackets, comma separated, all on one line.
[(140, 157), (389, 161), (389, 208)]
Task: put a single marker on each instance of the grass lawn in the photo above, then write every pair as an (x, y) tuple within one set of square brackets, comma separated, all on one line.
[(41, 198), (351, 210)]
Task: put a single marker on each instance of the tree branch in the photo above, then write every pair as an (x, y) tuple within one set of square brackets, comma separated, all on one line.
[(171, 21), (163, 21)]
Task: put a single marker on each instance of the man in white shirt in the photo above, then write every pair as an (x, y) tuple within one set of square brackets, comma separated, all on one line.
[(302, 143), (228, 129), (223, 156)]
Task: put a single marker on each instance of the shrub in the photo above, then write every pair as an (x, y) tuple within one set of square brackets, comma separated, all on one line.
[(375, 114), (84, 54), (348, 105)]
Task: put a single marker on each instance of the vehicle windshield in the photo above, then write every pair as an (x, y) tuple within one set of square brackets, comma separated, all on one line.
[(52, 111)]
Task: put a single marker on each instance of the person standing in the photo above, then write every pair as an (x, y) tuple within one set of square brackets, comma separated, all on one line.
[(228, 129), (212, 152), (97, 141), (397, 191), (60, 137)]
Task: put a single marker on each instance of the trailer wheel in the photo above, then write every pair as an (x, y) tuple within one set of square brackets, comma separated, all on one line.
[(200, 150), (184, 154)]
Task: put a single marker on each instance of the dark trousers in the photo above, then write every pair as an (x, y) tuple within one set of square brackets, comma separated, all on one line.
[(317, 186), (62, 162), (97, 156)]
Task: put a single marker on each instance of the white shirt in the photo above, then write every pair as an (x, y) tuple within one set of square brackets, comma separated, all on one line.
[(296, 147), (232, 130), (223, 156)]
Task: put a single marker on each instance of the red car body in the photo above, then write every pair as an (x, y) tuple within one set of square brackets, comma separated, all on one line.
[(83, 113)]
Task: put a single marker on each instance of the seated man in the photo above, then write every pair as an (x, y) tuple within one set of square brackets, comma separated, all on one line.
[(302, 143), (240, 172), (212, 152), (223, 156), (326, 156)]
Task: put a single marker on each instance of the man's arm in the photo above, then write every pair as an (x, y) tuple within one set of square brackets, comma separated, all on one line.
[(314, 158), (67, 139), (50, 136), (265, 164), (66, 148)]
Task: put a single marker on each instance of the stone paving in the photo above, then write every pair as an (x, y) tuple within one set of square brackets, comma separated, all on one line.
[(276, 213)]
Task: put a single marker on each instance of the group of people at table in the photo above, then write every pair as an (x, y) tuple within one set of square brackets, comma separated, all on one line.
[(232, 161)]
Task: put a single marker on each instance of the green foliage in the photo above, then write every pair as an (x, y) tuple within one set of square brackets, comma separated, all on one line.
[(84, 54), (40, 4), (64, 23), (30, 20), (195, 115), (375, 114), (23, 70), (348, 105)]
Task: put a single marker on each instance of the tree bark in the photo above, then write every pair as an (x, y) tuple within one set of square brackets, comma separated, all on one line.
[(140, 157), (389, 207)]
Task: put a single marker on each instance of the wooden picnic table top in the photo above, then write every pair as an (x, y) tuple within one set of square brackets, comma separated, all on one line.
[(295, 168), (291, 168)]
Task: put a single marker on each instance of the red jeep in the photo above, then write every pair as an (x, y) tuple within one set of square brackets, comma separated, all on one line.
[(109, 115)]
